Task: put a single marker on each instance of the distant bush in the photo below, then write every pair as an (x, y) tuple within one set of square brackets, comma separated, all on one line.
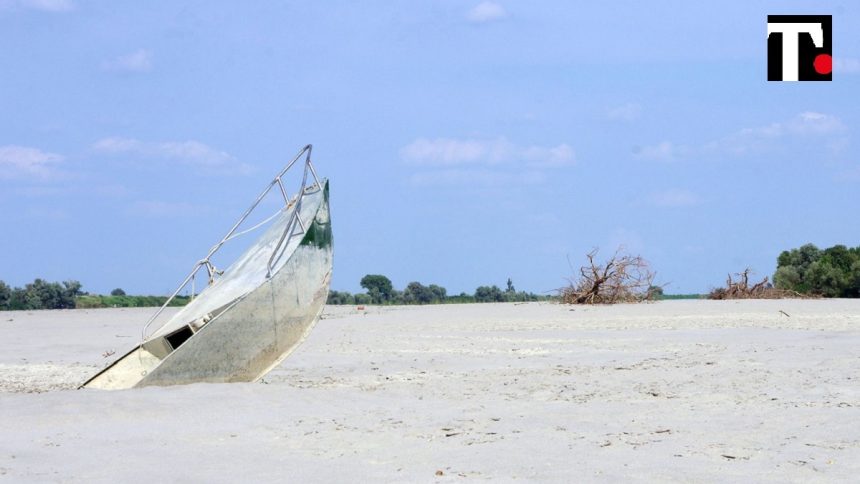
[(488, 294), (99, 301), (417, 293), (380, 290), (461, 298), (378, 287), (340, 297), (40, 294), (739, 287), (89, 302), (832, 272), (5, 295)]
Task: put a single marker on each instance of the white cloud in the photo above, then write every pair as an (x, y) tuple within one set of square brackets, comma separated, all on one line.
[(42, 5), (763, 138), (815, 123), (472, 177), (663, 151), (190, 152), (674, 198), (625, 112), (842, 65), (137, 61), (540, 157), (486, 12), (447, 151), (826, 129), (803, 124), (484, 162), (117, 145), (26, 162), (457, 152), (194, 152)]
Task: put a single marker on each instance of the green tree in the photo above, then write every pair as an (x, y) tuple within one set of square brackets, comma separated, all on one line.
[(72, 289), (33, 297), (832, 272), (839, 257), (461, 298), (44, 295), (853, 289), (412, 293), (378, 287), (824, 279), (117, 292), (5, 295), (788, 277), (800, 260), (489, 294), (17, 300), (396, 297), (41, 294), (440, 294), (340, 297), (417, 293)]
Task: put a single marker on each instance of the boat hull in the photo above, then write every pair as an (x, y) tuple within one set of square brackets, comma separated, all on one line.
[(250, 337)]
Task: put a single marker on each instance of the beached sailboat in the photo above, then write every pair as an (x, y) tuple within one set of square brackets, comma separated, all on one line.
[(252, 314)]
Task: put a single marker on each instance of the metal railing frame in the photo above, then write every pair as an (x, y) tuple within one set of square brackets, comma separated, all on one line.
[(277, 252)]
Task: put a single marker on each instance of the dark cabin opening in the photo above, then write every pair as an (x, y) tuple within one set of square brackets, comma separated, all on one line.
[(176, 338)]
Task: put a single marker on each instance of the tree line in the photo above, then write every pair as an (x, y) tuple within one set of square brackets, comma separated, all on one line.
[(41, 294), (832, 272), (380, 290), (807, 270)]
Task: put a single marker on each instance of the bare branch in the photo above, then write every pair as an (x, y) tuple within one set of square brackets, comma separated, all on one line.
[(623, 278), (740, 289)]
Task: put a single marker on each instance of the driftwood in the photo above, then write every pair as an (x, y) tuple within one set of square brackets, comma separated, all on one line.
[(740, 288), (623, 278)]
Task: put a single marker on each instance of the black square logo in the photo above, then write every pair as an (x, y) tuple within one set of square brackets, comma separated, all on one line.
[(799, 48)]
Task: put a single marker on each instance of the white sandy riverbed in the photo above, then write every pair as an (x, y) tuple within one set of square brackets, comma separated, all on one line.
[(672, 391)]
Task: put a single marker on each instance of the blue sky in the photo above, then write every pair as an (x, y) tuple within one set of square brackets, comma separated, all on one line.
[(466, 141)]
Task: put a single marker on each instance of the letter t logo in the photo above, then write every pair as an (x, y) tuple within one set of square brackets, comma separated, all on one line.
[(799, 48)]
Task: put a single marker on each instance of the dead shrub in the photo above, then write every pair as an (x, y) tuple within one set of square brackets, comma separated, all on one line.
[(740, 288), (624, 278)]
